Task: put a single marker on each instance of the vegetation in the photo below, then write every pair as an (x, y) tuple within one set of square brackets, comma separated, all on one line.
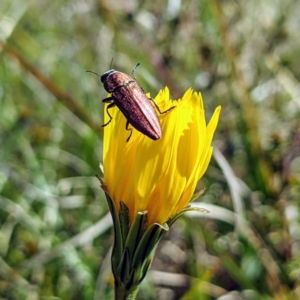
[(56, 236)]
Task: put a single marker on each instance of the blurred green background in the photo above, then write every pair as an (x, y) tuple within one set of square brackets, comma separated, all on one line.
[(56, 235)]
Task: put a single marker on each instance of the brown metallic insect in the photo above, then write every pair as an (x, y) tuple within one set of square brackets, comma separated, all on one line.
[(132, 101)]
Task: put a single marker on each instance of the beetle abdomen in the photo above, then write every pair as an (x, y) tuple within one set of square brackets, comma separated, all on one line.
[(137, 109)]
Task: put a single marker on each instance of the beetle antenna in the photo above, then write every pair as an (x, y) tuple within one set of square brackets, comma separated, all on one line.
[(136, 66), (94, 73), (112, 60)]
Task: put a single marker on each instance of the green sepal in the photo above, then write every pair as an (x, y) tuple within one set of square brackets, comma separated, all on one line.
[(138, 251), (147, 265), (117, 251), (197, 195), (148, 242), (187, 208), (146, 249), (136, 232), (124, 221), (124, 267), (134, 235)]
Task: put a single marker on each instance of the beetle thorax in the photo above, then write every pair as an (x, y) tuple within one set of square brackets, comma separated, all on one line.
[(113, 80)]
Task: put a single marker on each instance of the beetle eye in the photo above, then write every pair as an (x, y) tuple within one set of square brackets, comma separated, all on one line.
[(103, 77)]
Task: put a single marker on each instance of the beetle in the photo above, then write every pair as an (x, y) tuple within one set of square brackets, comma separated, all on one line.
[(132, 101)]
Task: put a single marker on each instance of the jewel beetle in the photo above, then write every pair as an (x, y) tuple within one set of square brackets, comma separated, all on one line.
[(132, 101)]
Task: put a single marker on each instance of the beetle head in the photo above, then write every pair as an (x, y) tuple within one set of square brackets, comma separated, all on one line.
[(107, 74)]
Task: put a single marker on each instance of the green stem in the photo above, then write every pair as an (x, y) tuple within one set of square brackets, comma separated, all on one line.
[(121, 293)]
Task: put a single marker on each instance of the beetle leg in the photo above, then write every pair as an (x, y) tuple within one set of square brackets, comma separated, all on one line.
[(116, 88), (133, 74), (130, 129), (157, 107), (108, 100), (112, 104)]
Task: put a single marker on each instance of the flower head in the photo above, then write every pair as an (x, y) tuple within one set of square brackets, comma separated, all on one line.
[(160, 176)]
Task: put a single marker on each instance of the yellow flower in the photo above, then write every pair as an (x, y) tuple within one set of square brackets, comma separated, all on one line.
[(159, 176)]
